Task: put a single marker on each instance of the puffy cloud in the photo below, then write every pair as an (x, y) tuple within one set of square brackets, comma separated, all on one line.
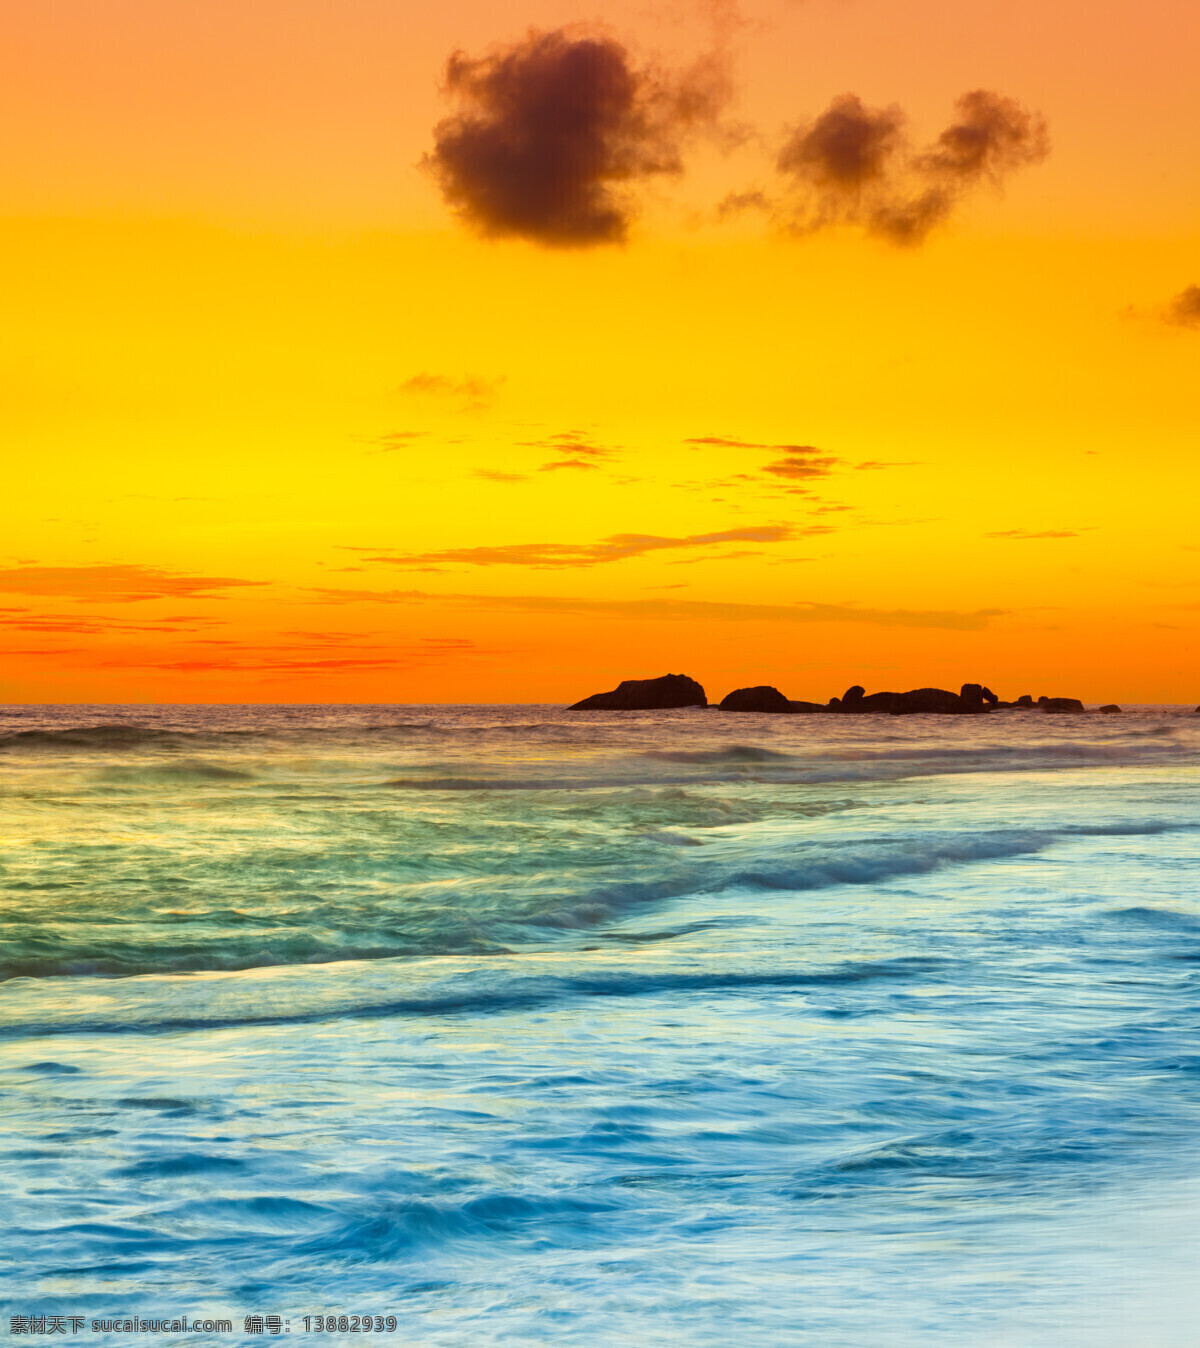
[(854, 164), (554, 130), (992, 136), (848, 147), (1184, 309)]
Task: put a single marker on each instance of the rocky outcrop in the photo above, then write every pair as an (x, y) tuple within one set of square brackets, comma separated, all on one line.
[(976, 696), (677, 690), (917, 701), (762, 698), (939, 702), (671, 690)]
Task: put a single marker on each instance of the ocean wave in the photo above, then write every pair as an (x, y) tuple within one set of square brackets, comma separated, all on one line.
[(1164, 918), (184, 770), (405, 1228), (492, 987), (490, 914), (745, 765), (733, 753), (99, 737), (119, 737)]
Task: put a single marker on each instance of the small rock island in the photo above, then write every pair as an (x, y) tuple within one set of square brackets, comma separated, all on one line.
[(671, 691)]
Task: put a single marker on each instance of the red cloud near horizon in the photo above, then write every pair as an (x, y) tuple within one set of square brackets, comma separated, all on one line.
[(974, 620), (116, 584), (309, 659)]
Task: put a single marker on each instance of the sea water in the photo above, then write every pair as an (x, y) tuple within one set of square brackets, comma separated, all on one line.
[(528, 1026)]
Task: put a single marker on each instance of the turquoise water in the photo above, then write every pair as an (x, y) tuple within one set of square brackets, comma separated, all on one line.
[(527, 1026)]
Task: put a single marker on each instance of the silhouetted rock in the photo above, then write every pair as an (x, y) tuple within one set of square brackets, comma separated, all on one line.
[(1109, 708), (1025, 700), (807, 707), (975, 695), (671, 690), (880, 703), (936, 701), (762, 698), (1060, 704), (854, 700)]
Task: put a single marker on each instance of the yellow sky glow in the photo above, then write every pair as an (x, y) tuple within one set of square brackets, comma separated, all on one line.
[(278, 427)]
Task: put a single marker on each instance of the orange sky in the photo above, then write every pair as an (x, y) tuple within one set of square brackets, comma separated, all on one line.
[(279, 426)]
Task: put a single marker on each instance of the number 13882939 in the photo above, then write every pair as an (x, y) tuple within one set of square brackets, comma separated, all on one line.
[(349, 1324)]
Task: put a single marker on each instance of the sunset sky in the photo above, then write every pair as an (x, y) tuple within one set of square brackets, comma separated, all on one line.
[(332, 374)]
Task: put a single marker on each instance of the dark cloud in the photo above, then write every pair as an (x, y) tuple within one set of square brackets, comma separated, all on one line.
[(798, 461), (681, 609), (803, 463), (615, 548), (854, 164), (847, 148), (113, 584), (992, 136), (1184, 309), (554, 130)]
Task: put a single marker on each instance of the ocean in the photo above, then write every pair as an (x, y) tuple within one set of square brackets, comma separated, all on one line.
[(525, 1026)]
